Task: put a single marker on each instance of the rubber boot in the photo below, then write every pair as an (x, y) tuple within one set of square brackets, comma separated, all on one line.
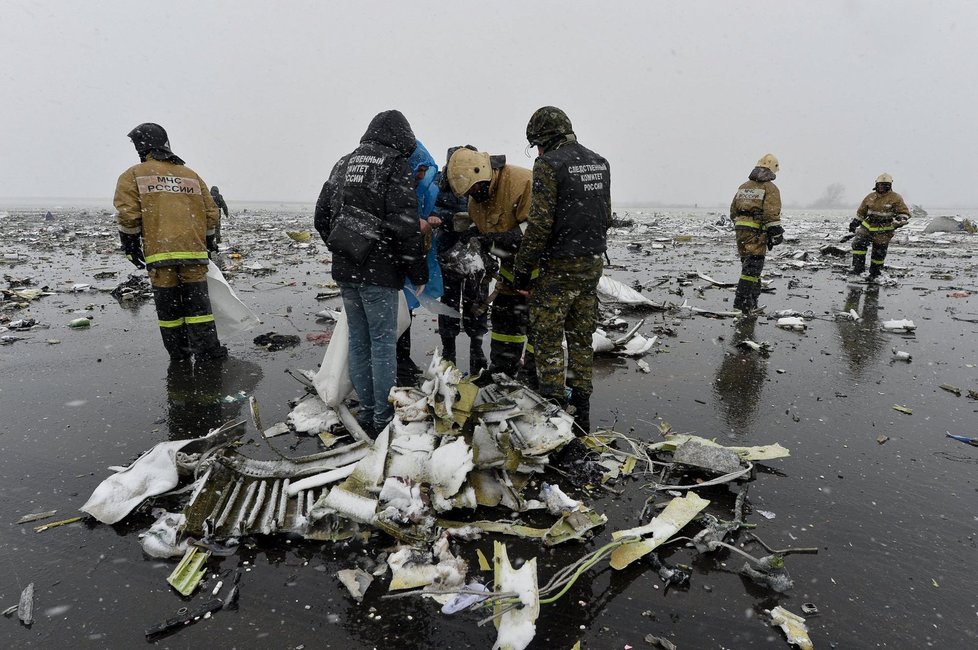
[(858, 264), (477, 356), (581, 405), (201, 330), (448, 349)]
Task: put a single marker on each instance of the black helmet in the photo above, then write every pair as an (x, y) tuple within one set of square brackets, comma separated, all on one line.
[(151, 138), (547, 124)]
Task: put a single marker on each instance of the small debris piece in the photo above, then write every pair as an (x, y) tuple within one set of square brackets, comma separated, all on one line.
[(189, 572), (55, 524), (900, 355), (793, 625), (882, 438), (965, 439), (902, 409), (187, 617), (273, 341), (951, 389), (276, 430), (809, 609), (679, 512), (79, 323), (483, 561), (25, 609), (659, 642), (356, 582), (516, 626), (767, 514), (35, 516), (708, 457)]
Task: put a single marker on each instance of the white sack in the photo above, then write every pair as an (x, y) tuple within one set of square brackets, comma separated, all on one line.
[(613, 291), (153, 473), (231, 316), (332, 382)]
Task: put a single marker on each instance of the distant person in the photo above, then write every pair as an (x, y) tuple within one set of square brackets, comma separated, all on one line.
[(222, 206), (499, 203), (878, 216), (566, 236), (466, 292), (166, 212), (756, 214), (367, 214), (425, 171)]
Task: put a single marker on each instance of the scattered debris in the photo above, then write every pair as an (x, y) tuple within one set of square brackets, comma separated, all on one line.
[(25, 609), (35, 516), (900, 355), (902, 409), (187, 575), (55, 524), (965, 439), (793, 626), (900, 325), (273, 341), (951, 389), (882, 438)]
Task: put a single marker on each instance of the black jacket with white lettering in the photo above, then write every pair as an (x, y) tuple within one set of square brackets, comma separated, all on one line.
[(571, 187), (376, 178)]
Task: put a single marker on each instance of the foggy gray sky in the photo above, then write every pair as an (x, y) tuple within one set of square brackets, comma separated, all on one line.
[(261, 98)]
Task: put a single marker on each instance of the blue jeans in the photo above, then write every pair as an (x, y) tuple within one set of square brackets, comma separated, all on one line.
[(371, 313)]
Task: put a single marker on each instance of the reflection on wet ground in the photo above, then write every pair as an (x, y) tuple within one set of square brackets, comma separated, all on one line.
[(895, 522)]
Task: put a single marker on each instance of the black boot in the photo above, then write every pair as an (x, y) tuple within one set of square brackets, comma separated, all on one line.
[(477, 356), (448, 349), (581, 405)]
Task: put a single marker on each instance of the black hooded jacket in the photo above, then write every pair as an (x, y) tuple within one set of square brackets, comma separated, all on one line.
[(377, 178)]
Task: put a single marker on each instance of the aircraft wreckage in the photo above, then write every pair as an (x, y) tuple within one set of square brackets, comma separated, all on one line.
[(454, 457)]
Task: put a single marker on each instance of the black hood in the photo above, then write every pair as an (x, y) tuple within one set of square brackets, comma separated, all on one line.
[(391, 129), (761, 175)]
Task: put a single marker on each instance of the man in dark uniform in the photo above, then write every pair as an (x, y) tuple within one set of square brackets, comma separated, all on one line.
[(164, 207), (221, 206), (367, 214), (566, 238)]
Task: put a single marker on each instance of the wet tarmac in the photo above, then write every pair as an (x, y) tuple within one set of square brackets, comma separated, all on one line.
[(895, 521)]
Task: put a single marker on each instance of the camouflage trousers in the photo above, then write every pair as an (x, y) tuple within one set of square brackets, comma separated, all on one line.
[(564, 304)]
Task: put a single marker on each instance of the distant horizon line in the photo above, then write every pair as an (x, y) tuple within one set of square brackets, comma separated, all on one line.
[(4, 200)]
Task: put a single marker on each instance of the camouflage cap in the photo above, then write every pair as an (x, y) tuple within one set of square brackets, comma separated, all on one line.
[(546, 124)]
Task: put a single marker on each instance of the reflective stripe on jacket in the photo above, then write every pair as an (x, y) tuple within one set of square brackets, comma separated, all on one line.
[(756, 205), (877, 211)]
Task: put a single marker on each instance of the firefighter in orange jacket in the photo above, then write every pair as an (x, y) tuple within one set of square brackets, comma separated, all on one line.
[(876, 220), (167, 221), (756, 213)]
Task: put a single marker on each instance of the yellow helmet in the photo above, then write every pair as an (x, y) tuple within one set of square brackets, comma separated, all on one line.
[(768, 161), (884, 178), (466, 168)]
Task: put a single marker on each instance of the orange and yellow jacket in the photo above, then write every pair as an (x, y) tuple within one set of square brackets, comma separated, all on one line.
[(171, 207)]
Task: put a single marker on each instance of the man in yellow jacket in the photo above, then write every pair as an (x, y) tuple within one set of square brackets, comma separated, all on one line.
[(167, 220), (876, 220), (499, 203), (756, 214)]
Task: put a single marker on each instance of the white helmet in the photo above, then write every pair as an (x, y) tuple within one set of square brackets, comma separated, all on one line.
[(466, 168), (768, 161), (884, 178)]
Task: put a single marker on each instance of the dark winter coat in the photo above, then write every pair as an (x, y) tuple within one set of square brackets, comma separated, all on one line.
[(377, 179), (571, 209)]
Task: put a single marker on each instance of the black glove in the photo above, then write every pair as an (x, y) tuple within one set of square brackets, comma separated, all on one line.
[(133, 249), (211, 244), (853, 225), (775, 236)]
